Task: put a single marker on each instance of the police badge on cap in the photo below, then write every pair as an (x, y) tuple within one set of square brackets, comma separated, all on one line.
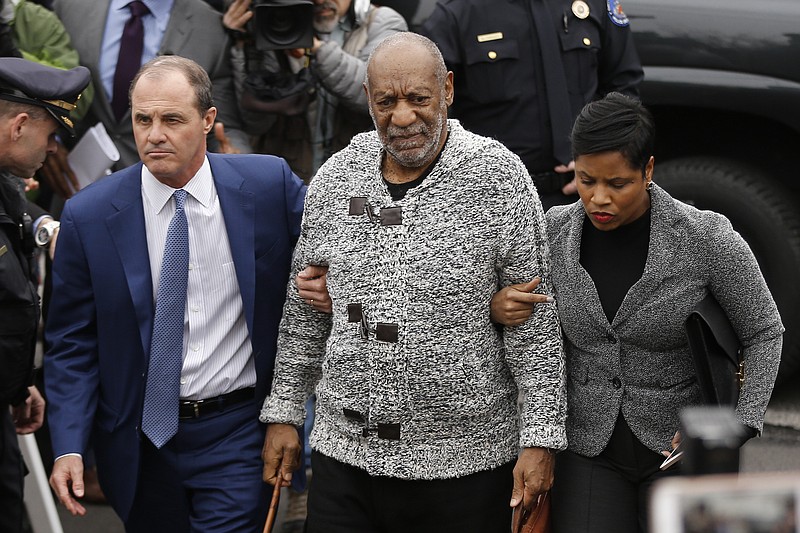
[(54, 89)]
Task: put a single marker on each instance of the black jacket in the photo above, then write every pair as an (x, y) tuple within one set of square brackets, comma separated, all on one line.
[(493, 50), (19, 301)]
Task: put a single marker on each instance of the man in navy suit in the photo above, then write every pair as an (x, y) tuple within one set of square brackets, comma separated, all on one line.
[(243, 216)]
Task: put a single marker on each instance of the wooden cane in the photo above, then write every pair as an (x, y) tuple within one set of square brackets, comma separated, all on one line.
[(273, 505)]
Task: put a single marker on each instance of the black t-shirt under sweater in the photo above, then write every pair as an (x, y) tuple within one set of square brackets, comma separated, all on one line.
[(615, 259), (398, 190)]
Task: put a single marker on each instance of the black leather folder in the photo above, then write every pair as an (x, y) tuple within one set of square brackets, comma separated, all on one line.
[(716, 351)]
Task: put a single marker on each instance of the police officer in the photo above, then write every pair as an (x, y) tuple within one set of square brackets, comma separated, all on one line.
[(525, 68), (35, 102)]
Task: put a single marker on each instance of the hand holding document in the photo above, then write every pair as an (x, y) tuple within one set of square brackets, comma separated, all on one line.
[(93, 156)]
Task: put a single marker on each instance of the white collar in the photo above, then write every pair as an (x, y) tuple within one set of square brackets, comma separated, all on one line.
[(200, 187)]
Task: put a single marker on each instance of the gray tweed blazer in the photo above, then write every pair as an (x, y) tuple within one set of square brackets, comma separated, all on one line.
[(639, 364)]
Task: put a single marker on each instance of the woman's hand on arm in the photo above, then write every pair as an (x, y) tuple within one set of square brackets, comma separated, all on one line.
[(513, 305)]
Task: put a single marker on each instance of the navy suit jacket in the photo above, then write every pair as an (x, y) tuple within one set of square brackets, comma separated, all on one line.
[(101, 313)]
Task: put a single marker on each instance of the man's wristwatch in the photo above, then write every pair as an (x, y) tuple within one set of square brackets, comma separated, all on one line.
[(45, 232)]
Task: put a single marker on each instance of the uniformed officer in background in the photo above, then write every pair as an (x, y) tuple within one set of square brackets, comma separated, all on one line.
[(35, 101), (525, 68)]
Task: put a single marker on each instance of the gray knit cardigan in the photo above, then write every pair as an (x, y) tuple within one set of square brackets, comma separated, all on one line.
[(639, 364), (440, 401)]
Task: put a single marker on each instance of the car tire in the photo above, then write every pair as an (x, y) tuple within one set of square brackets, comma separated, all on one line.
[(764, 213)]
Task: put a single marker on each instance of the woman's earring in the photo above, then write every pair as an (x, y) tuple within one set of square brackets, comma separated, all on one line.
[(649, 185)]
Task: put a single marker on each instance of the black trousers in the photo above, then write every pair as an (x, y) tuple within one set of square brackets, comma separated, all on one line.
[(12, 474), (608, 493), (345, 499)]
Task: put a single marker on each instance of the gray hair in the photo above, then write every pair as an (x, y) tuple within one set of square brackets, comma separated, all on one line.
[(195, 74), (405, 39)]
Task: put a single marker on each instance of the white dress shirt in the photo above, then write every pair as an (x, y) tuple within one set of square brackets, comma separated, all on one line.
[(217, 353)]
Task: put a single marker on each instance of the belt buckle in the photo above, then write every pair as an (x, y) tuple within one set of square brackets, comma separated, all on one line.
[(196, 406)]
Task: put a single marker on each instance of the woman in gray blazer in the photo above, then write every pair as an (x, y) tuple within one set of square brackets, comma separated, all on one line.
[(629, 263)]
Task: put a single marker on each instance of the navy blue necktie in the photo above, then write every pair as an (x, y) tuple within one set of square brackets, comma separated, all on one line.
[(131, 46), (160, 414)]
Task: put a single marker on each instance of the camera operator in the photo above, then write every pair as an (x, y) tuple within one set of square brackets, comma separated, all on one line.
[(304, 104)]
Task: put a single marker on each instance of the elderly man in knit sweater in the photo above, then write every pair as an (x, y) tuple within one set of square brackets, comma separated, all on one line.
[(418, 426)]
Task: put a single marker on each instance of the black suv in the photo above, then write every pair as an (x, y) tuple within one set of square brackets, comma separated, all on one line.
[(723, 81)]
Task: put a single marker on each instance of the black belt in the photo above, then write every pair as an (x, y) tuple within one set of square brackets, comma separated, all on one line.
[(198, 408), (552, 181)]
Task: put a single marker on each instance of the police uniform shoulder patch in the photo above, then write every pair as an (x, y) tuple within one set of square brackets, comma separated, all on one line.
[(616, 14)]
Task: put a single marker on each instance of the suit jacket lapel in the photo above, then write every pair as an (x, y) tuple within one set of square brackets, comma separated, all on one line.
[(663, 247), (238, 210), (570, 236), (127, 230), (93, 32), (178, 29)]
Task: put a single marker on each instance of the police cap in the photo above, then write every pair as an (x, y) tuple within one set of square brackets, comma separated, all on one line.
[(54, 89)]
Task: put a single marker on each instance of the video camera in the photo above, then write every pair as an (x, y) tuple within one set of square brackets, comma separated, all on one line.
[(711, 436), (283, 24)]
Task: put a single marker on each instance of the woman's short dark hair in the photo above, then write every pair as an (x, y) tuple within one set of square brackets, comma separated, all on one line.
[(615, 123)]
